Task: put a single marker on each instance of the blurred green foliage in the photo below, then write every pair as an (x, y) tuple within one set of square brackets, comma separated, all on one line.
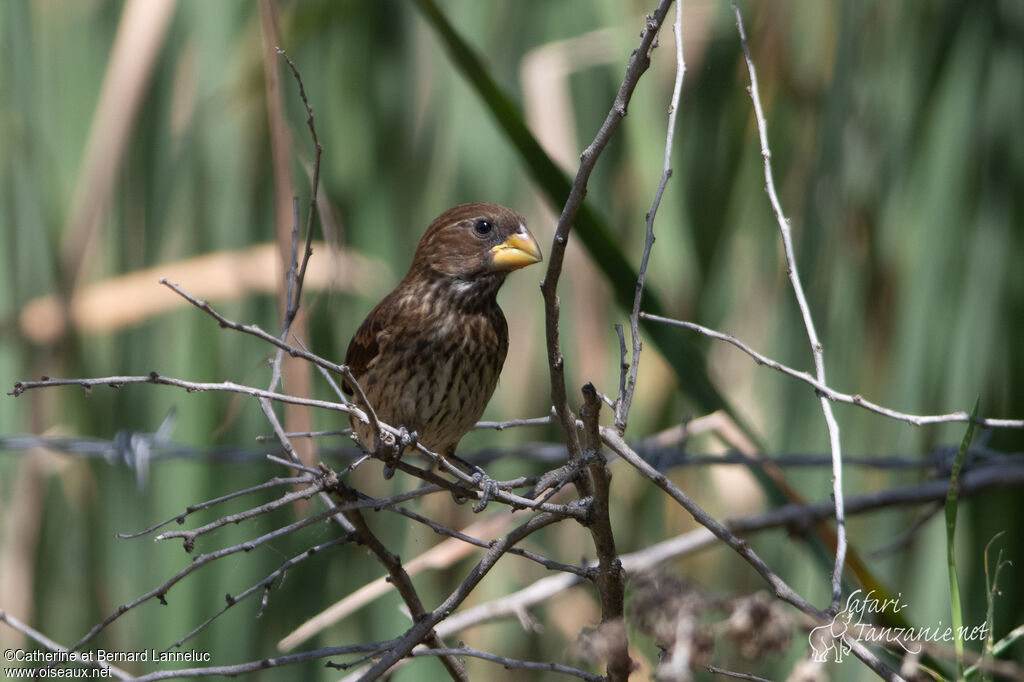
[(895, 133)]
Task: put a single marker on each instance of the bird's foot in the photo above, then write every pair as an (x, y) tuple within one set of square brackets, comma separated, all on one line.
[(407, 438), (392, 449), (489, 488)]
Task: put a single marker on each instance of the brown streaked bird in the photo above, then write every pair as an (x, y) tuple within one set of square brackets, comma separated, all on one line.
[(429, 355)]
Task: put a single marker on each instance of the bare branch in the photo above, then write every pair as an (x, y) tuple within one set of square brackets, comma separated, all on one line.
[(254, 330), (190, 386), (264, 663), (306, 434), (740, 676), (300, 276), (263, 585), (625, 397), (836, 396), (610, 578), (532, 421), (180, 518), (293, 465), (639, 61), (812, 334), (510, 663)]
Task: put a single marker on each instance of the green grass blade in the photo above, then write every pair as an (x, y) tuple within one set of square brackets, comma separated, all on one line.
[(951, 507)]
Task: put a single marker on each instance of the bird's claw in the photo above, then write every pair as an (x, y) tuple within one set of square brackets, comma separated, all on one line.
[(489, 488), (407, 438), (393, 446)]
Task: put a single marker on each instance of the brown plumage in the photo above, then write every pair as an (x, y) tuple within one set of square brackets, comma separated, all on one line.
[(429, 355)]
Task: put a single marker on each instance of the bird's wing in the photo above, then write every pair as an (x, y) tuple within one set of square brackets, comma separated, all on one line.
[(364, 347)]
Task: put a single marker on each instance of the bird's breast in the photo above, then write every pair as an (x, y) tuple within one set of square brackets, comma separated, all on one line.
[(436, 373)]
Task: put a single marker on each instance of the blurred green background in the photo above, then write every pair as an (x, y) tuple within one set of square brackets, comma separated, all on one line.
[(895, 132)]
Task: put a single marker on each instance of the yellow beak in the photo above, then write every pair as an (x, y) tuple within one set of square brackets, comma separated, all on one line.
[(516, 252)]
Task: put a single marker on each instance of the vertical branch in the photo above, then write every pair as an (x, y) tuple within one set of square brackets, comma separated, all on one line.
[(297, 376), (295, 292), (812, 335), (626, 387), (639, 61), (610, 578), (296, 272)]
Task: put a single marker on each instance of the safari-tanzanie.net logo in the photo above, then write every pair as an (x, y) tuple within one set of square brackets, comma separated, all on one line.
[(855, 622)]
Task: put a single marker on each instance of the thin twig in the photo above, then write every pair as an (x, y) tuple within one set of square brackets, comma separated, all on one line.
[(510, 663), (192, 508), (330, 380), (623, 366), (189, 536), (293, 465), (729, 673), (262, 438), (201, 560), (639, 61), (836, 396), (254, 330), (190, 386), (625, 397), (293, 302), (531, 421), (812, 335), (263, 585), (296, 273), (160, 591), (279, 430), (263, 663)]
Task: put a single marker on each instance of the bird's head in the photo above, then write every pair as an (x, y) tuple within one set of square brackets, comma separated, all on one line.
[(475, 242)]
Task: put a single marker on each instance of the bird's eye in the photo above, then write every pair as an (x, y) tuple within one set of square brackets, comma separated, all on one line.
[(482, 227)]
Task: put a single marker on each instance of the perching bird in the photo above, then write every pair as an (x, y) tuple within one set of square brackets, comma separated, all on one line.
[(429, 355)]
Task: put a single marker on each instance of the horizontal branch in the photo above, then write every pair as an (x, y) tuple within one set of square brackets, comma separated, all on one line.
[(190, 386), (510, 663), (836, 396), (265, 663), (192, 508)]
